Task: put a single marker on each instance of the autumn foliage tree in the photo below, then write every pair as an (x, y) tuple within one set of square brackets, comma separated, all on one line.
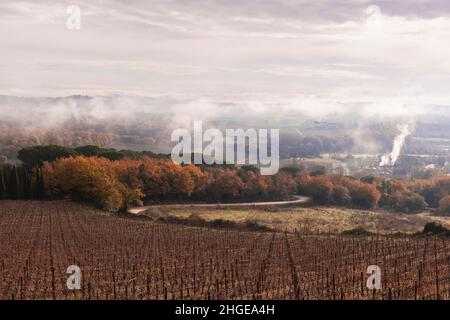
[(444, 205), (256, 186), (282, 186), (225, 185), (339, 190), (341, 195), (96, 180), (320, 188), (364, 195), (409, 202), (115, 183), (433, 190)]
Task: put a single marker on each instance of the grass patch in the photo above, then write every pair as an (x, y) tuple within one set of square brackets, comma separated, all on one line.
[(358, 231), (195, 221), (306, 220)]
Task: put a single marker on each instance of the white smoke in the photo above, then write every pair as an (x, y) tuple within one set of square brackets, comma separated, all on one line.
[(345, 168), (391, 158)]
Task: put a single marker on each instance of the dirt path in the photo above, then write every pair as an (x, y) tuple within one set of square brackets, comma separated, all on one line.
[(298, 200)]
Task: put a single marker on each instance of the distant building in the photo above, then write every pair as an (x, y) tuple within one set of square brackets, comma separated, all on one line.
[(326, 125)]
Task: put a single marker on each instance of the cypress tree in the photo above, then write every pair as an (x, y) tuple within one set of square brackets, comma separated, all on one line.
[(26, 183), (39, 184), (36, 183), (2, 185), (15, 184), (42, 185)]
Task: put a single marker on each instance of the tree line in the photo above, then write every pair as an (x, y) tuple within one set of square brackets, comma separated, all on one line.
[(114, 183), (408, 196), (36, 155), (21, 183), (117, 184), (13, 137)]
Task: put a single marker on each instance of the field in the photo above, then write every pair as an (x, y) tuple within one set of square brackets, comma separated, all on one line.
[(310, 219), (126, 258)]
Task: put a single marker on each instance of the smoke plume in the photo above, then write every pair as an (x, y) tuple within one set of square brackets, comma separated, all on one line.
[(391, 158)]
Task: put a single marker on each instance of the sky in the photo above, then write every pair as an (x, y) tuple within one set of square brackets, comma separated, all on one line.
[(387, 55)]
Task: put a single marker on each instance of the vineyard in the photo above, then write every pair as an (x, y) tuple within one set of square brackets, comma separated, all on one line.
[(124, 258)]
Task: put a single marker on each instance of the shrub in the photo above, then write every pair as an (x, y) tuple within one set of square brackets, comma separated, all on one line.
[(358, 231), (434, 228)]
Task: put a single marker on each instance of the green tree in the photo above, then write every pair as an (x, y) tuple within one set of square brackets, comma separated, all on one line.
[(37, 155), (89, 150), (2, 185), (112, 155)]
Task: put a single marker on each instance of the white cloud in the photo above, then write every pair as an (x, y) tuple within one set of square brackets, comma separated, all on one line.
[(370, 51)]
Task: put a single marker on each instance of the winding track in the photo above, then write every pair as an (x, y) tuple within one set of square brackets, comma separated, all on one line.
[(298, 200)]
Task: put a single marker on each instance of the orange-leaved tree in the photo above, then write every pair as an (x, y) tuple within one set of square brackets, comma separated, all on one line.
[(90, 179)]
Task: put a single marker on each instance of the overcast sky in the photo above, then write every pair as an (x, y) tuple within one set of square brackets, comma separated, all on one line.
[(381, 53)]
